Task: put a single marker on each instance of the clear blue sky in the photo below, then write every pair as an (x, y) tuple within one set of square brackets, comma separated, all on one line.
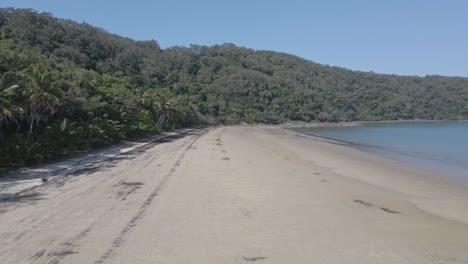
[(410, 37)]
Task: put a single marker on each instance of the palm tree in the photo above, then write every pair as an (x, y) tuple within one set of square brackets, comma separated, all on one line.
[(43, 99), (180, 110), (165, 109), (7, 108), (158, 105)]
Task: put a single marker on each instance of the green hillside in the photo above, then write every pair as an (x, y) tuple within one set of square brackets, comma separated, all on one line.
[(67, 87)]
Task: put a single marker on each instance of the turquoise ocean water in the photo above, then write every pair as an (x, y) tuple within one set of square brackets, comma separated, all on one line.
[(437, 146)]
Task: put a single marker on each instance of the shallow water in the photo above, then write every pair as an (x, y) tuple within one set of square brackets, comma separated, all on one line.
[(440, 146)]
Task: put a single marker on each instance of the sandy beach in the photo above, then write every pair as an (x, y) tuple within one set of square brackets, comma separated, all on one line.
[(243, 194)]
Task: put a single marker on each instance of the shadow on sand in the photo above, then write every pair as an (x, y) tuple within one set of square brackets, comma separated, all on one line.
[(92, 162)]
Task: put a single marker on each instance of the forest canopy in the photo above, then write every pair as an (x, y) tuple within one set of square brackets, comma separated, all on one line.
[(67, 87)]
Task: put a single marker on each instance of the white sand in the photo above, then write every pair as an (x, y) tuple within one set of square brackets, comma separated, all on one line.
[(241, 195)]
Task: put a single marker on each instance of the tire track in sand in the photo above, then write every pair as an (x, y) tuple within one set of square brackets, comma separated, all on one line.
[(120, 239)]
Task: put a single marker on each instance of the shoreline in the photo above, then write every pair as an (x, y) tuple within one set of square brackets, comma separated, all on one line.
[(437, 182), (357, 123), (416, 159), (247, 193)]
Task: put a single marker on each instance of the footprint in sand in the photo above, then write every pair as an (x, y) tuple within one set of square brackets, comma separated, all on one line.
[(253, 259), (363, 203), (246, 213), (385, 209), (389, 210)]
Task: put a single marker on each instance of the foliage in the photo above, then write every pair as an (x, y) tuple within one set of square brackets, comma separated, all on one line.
[(71, 87)]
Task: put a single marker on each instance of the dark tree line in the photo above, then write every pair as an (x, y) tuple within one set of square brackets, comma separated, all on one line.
[(67, 87)]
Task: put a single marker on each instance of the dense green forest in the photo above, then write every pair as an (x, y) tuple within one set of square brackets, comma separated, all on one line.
[(67, 87)]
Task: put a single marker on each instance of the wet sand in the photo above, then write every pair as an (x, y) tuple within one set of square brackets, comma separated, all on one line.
[(241, 195)]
